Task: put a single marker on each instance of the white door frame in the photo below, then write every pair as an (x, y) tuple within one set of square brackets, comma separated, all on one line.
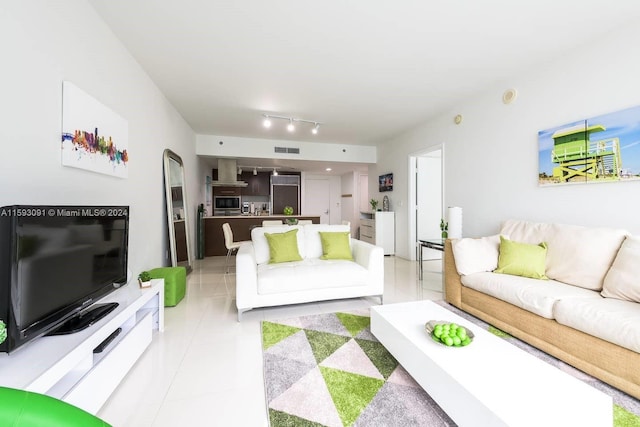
[(412, 205)]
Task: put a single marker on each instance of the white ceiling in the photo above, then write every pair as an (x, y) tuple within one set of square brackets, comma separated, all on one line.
[(367, 69)]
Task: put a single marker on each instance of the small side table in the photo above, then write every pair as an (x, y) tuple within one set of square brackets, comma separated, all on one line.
[(437, 244)]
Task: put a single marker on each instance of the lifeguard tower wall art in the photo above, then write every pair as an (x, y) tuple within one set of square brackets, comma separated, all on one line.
[(602, 149)]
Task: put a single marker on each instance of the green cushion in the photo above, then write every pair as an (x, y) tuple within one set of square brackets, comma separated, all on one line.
[(283, 247), (335, 245), (522, 259), (175, 283), (20, 408)]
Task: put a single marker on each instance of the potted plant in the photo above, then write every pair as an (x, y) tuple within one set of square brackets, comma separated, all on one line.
[(144, 279), (444, 228), (374, 204)]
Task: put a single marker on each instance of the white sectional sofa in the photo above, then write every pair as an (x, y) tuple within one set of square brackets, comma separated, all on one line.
[(587, 311), (263, 284)]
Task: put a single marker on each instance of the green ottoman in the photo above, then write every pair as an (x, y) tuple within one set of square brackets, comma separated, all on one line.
[(20, 408), (175, 283)]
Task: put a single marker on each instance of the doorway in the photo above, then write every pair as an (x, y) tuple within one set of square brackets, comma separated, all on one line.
[(427, 199), (318, 198)]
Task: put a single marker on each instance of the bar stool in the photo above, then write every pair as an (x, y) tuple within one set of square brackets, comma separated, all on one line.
[(229, 243)]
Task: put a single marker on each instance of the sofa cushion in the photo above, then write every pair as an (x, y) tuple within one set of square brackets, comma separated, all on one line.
[(576, 255), (536, 296), (522, 259), (623, 279), (261, 246), (311, 273), (611, 319), (283, 247), (313, 245), (476, 255), (335, 245)]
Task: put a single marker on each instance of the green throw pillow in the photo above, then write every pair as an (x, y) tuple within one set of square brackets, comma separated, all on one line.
[(283, 247), (522, 259), (335, 245)]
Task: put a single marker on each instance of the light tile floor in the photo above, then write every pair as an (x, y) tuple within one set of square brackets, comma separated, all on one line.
[(206, 368)]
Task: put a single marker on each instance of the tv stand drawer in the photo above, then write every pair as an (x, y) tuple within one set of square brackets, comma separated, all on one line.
[(96, 386)]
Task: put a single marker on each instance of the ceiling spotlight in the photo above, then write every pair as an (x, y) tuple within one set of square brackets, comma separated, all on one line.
[(328, 169), (275, 172), (239, 171), (268, 118), (255, 172)]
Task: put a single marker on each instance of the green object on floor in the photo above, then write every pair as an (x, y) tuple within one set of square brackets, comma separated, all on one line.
[(20, 408), (175, 283)]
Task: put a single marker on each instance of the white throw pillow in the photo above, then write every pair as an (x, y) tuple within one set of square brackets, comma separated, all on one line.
[(476, 255), (623, 279), (581, 256)]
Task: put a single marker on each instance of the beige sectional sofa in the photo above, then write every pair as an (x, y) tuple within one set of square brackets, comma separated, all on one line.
[(588, 311), (260, 283)]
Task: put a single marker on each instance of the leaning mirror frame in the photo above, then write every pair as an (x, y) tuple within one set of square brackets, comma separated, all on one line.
[(177, 211)]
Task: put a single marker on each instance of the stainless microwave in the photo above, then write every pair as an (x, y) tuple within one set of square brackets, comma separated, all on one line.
[(226, 202)]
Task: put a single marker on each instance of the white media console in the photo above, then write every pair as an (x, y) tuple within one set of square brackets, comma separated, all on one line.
[(66, 367)]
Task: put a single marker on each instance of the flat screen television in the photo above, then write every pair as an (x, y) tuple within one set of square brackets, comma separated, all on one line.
[(385, 182), (55, 262)]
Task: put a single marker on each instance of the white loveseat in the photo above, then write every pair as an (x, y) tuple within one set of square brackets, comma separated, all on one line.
[(588, 311), (261, 284)]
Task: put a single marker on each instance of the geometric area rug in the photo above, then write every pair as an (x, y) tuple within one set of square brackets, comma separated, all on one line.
[(329, 370)]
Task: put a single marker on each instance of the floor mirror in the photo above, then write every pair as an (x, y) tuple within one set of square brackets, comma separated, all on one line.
[(177, 210)]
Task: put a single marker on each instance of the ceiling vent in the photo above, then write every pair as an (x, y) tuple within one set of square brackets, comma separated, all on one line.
[(288, 150)]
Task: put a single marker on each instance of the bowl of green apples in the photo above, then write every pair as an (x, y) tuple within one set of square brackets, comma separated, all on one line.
[(448, 333)]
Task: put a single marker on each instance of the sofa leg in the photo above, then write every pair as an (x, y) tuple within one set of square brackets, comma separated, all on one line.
[(240, 314)]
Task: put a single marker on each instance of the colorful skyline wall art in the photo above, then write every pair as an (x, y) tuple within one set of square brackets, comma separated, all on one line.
[(94, 137), (605, 148)]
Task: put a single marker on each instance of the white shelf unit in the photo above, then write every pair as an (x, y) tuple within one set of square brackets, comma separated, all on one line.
[(65, 366), (379, 228)]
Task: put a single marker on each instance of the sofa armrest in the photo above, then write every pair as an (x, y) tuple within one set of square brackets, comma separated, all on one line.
[(370, 257), (452, 283), (246, 276)]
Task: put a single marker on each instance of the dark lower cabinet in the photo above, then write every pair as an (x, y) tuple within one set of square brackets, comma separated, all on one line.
[(241, 227)]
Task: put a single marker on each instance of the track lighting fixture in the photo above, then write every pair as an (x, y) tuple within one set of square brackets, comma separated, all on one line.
[(275, 172), (239, 171), (291, 125), (255, 171)]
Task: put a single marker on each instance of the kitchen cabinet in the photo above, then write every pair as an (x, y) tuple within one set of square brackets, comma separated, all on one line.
[(258, 185), (285, 195), (241, 227), (226, 191)]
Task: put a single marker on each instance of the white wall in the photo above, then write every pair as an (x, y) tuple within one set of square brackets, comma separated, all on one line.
[(233, 146), (45, 43), (491, 164)]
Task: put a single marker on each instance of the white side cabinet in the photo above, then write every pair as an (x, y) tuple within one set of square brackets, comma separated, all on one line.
[(379, 228), (66, 367)]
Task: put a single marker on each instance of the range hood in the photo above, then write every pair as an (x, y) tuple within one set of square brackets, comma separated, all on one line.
[(228, 174)]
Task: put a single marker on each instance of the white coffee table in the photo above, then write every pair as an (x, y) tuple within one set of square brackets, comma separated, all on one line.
[(489, 382)]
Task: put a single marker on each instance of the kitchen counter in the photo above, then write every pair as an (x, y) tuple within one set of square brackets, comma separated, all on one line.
[(241, 226)]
